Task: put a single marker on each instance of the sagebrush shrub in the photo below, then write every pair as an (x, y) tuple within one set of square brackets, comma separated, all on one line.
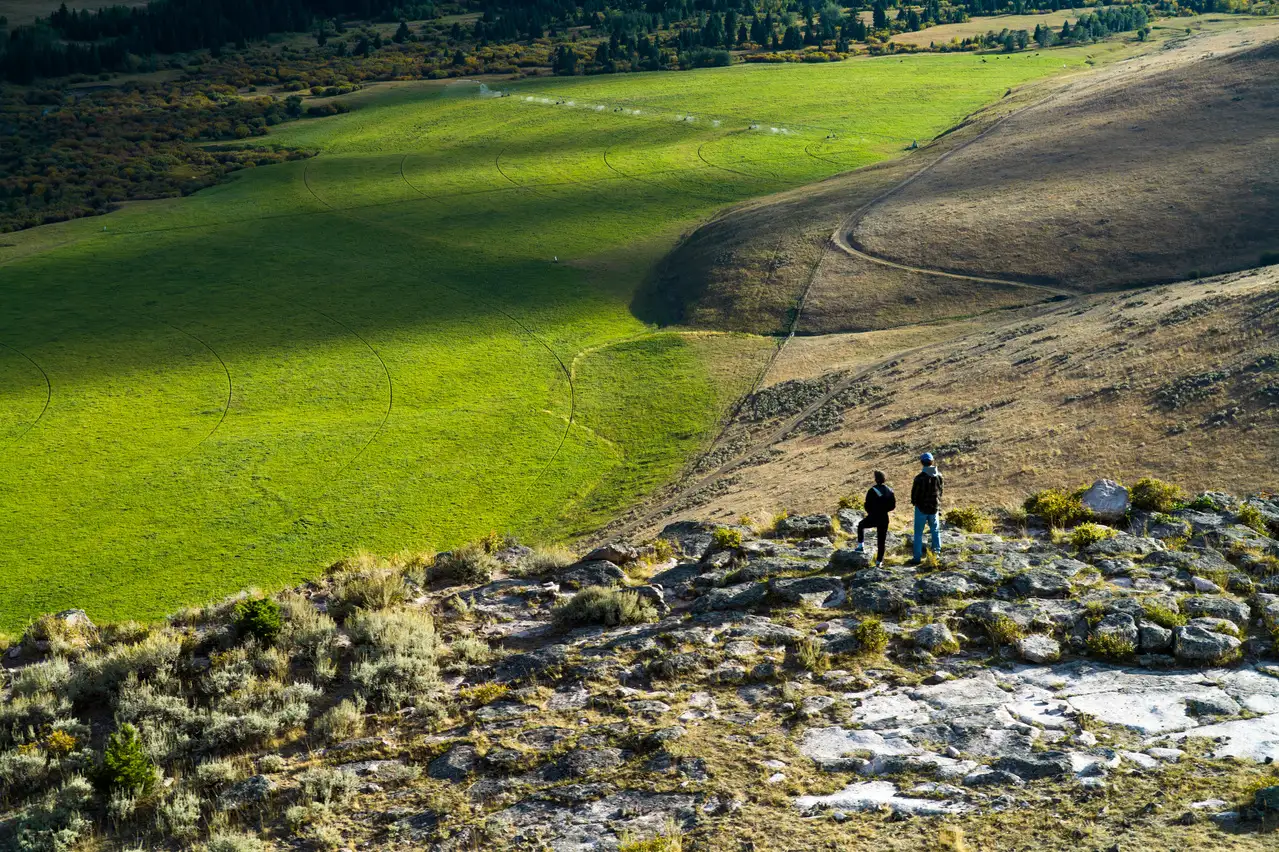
[(1250, 516), (327, 786), (343, 721), (469, 564), (397, 656), (1110, 646), (1164, 616), (1154, 495), (178, 816), (604, 606), (544, 560), (970, 519)]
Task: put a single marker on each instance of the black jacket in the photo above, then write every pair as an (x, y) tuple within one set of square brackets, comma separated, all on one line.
[(925, 493), (880, 500)]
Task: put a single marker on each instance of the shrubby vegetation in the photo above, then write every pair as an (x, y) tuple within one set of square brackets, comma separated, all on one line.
[(1057, 507), (604, 606)]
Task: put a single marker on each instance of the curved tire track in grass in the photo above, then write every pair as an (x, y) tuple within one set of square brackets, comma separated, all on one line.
[(390, 390), (406, 180), (48, 394), (229, 389), (564, 369)]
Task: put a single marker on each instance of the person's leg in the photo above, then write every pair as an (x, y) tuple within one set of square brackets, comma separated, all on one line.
[(934, 526), (861, 529), (919, 535), (881, 531)]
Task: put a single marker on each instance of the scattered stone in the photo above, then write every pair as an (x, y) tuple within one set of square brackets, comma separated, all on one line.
[(821, 592), (1196, 645), (595, 573), (742, 596), (806, 526), (936, 639), (455, 764), (1039, 649), (1040, 583)]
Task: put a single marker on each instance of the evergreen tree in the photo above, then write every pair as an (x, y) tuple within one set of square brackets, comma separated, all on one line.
[(402, 34)]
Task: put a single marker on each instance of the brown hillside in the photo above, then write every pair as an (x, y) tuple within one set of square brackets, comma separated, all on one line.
[(1049, 191), (1162, 175), (1181, 379)]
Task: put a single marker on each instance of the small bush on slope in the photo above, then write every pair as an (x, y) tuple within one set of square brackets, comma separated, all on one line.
[(469, 564), (608, 607), (1154, 495), (125, 765), (397, 651), (970, 519), (257, 617), (1057, 507), (1089, 533)]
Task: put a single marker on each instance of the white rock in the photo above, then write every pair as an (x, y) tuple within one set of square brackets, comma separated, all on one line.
[(1145, 761), (873, 795), (1203, 584), (1253, 739), (835, 742), (1169, 755), (775, 778), (1106, 499)]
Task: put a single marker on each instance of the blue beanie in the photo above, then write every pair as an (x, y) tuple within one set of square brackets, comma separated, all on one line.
[(926, 458)]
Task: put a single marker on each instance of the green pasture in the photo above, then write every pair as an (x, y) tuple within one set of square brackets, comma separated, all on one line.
[(376, 348)]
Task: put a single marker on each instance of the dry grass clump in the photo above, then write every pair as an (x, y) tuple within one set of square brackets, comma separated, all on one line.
[(543, 561), (604, 606), (810, 655), (1164, 616), (368, 588)]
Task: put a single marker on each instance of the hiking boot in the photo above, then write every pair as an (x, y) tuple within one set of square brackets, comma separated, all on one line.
[(860, 548)]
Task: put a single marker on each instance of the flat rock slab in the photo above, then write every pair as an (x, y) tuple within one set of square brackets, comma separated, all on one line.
[(874, 795)]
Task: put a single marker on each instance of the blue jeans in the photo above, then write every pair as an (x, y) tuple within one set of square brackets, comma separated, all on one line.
[(934, 525)]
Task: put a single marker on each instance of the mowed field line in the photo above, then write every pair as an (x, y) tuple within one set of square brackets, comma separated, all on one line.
[(466, 296), (226, 407), (48, 394)]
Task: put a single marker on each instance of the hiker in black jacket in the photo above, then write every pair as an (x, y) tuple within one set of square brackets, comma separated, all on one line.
[(880, 500), (925, 496)]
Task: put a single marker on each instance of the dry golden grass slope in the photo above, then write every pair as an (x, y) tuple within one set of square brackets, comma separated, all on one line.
[(1160, 163), (1168, 171), (1180, 380)]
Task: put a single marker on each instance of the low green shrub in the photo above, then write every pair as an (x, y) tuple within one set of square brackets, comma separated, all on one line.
[(1059, 508), (328, 786), (470, 564), (1250, 516), (1155, 495), (225, 842), (725, 539), (604, 606), (1089, 533), (870, 636), (257, 617), (125, 764), (663, 550), (970, 519), (1203, 503), (1164, 616), (1110, 646)]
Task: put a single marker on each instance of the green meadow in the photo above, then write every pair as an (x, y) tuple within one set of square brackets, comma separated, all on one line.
[(421, 335)]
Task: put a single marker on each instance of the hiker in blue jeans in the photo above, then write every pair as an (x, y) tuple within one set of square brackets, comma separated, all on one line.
[(925, 496)]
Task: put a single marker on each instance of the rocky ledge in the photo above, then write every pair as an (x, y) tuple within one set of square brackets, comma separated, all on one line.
[(713, 682)]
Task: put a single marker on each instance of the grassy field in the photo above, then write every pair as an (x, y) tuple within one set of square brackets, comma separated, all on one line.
[(981, 25), (420, 336)]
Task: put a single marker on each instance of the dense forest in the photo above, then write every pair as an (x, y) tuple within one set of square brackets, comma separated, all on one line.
[(646, 34)]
